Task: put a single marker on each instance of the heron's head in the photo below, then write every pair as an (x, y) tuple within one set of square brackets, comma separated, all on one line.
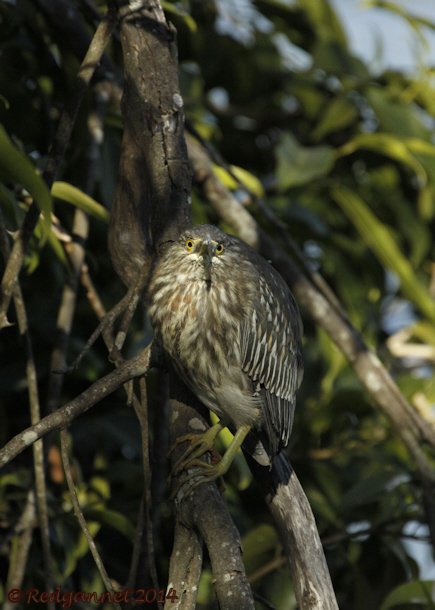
[(202, 251)]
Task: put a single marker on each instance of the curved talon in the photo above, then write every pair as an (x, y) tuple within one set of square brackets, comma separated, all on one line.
[(205, 472), (199, 444)]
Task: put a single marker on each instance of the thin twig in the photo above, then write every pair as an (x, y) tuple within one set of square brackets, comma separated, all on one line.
[(138, 288), (141, 409), (65, 317), (144, 421), (20, 551), (62, 138), (76, 254), (64, 445), (271, 566), (160, 447), (91, 292), (35, 416), (138, 545), (106, 324)]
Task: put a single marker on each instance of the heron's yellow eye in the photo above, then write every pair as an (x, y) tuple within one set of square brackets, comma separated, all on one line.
[(219, 249), (189, 245)]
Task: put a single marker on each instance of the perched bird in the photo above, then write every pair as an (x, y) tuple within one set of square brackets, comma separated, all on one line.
[(233, 331)]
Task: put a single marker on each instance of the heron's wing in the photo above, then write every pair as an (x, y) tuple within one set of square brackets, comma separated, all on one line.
[(271, 353)]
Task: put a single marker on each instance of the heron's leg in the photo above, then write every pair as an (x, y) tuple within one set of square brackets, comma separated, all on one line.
[(204, 472), (199, 444)]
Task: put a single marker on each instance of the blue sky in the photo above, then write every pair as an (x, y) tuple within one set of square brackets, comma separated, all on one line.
[(368, 28)]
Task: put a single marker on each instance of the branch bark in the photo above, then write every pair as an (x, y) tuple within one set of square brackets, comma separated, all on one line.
[(205, 511), (20, 550), (184, 568), (297, 529), (152, 196)]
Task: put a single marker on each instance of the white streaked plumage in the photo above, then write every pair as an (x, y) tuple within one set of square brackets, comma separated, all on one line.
[(232, 329)]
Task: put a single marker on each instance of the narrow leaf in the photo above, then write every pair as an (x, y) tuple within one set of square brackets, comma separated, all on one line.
[(340, 113), (239, 177), (18, 168), (71, 194), (379, 239), (388, 145), (113, 519)]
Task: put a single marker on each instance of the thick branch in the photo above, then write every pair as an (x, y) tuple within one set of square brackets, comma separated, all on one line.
[(184, 568), (151, 200), (206, 512), (298, 533)]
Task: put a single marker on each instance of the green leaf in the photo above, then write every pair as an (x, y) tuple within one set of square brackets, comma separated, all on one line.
[(338, 114), (395, 117), (16, 167), (311, 100), (335, 59), (425, 332), (18, 478), (10, 206), (299, 165), (239, 177), (53, 241), (378, 237), (388, 145), (325, 22), (57, 248), (416, 592), (71, 194), (184, 15), (78, 548), (258, 545), (113, 519), (368, 490)]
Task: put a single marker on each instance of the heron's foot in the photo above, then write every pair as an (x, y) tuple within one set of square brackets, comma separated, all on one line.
[(200, 472), (199, 444)]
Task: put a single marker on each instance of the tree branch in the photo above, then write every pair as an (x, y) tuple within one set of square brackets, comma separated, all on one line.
[(135, 367), (205, 511), (20, 550), (151, 199), (64, 443), (184, 568), (298, 533)]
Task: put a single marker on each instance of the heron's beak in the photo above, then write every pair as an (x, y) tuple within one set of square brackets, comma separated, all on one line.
[(208, 251)]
